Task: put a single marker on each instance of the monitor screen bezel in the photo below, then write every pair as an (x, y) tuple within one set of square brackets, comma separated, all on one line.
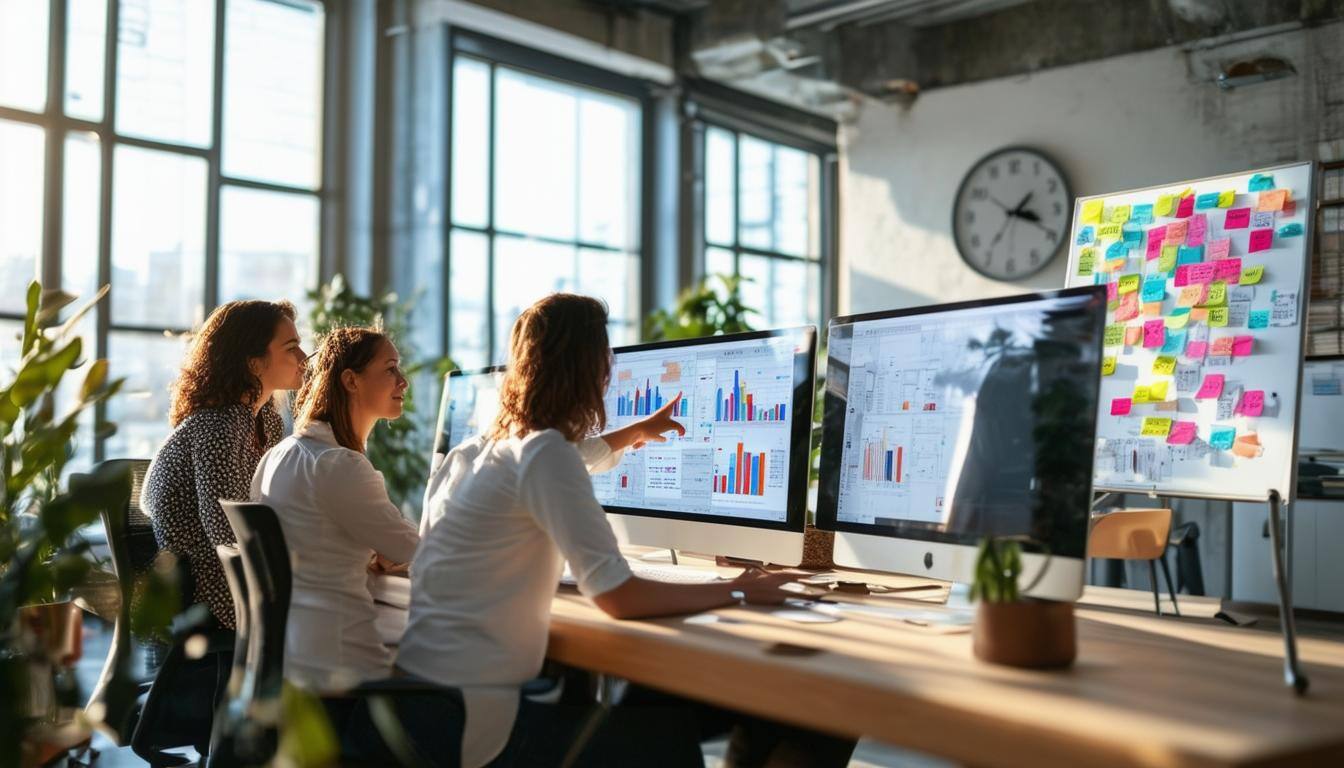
[(800, 430), (828, 484), (443, 401)]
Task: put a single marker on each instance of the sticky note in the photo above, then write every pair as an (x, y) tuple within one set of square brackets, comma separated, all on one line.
[(1182, 433), (1199, 229), (1218, 249), (1242, 345), (1142, 214), (1176, 232), (1117, 250), (1112, 295), (1167, 261), (1164, 205), (1087, 257), (1129, 284), (1157, 391), (1156, 426), (1217, 319), (1120, 406), (1129, 307), (1107, 365), (1237, 218), (1248, 446), (1206, 200), (1271, 200), (1131, 234), (1195, 350), (1190, 274), (1175, 342), (1199, 314), (1185, 207), (1113, 336), (1113, 265), (1154, 333), (1252, 402), (1152, 308), (1120, 214), (1189, 254), (1154, 288), (1141, 394), (1164, 365), (1226, 198), (1290, 230), (1211, 388), (1221, 347), (1177, 320), (1252, 275), (1092, 211), (1221, 438), (1154, 247), (1261, 240), (1259, 319), (1108, 231), (1085, 236), (1217, 294), (1227, 270), (1132, 334), (1260, 182), (1262, 219), (1289, 208), (1191, 295)]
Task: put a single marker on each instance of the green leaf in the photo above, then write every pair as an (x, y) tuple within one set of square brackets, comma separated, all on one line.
[(30, 317), (94, 379)]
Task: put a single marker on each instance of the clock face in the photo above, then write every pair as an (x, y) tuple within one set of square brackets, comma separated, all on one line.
[(1011, 214)]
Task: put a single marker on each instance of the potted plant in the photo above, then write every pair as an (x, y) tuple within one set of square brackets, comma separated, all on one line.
[(1012, 629)]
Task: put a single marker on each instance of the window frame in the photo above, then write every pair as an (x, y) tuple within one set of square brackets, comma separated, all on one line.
[(495, 52), (57, 125)]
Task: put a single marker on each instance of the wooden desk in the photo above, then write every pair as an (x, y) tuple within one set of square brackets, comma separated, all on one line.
[(1145, 691)]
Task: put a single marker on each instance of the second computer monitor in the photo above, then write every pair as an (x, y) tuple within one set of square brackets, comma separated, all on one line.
[(468, 407), (736, 483)]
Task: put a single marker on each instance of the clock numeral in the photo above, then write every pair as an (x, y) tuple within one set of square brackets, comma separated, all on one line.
[(1059, 208), (979, 193), (1035, 257), (970, 217), (1011, 268), (1052, 235), (975, 241), (993, 171), (1014, 166), (1051, 185)]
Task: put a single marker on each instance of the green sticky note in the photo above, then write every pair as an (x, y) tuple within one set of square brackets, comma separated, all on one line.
[(1167, 261), (1252, 275), (1156, 426), (1217, 317), (1107, 365), (1129, 283), (1164, 205), (1114, 336), (1217, 294), (1164, 366)]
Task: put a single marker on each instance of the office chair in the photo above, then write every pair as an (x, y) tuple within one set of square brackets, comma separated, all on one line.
[(1135, 534)]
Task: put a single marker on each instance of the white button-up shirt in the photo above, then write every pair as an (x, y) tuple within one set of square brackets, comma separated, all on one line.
[(335, 513)]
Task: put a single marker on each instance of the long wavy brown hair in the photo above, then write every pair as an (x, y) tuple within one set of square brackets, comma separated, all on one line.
[(323, 397), (559, 364), (216, 371)]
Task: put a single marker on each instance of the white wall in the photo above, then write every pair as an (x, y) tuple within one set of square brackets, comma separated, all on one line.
[(1114, 124)]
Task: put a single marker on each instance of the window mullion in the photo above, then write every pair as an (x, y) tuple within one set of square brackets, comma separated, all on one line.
[(106, 145), (49, 267), (490, 216), (214, 170)]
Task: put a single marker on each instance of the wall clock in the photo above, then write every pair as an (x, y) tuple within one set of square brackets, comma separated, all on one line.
[(1011, 214)]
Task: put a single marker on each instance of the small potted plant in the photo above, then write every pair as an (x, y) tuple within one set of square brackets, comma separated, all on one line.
[(1011, 629)]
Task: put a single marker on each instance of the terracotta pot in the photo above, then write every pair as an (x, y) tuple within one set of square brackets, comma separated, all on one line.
[(818, 548), (1037, 634), (53, 632)]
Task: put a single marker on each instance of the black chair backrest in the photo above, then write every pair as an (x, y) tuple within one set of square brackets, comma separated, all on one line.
[(267, 574), (231, 718)]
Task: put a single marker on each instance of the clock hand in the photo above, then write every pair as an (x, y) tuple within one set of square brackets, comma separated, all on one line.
[(1005, 208), (1029, 216), (1018, 210)]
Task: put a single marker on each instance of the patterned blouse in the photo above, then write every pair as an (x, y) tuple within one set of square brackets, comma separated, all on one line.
[(210, 456)]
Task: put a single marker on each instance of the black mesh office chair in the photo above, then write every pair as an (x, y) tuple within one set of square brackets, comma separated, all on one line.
[(231, 716)]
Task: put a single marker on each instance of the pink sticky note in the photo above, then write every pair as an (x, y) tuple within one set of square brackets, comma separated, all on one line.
[(1289, 208), (1129, 307), (1211, 388), (1155, 236), (1195, 350), (1241, 345), (1199, 228), (1252, 402), (1112, 292), (1195, 274), (1261, 240), (1182, 433), (1120, 406), (1176, 232), (1237, 218), (1132, 334), (1228, 270), (1217, 249), (1154, 333), (1185, 207), (1221, 347)]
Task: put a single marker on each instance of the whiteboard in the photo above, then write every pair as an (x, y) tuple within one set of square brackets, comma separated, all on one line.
[(1321, 426), (1167, 423)]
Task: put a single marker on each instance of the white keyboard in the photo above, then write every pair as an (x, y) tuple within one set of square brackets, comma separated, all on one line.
[(665, 573)]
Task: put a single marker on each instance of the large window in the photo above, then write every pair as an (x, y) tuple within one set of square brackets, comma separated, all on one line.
[(545, 193), (174, 152), (763, 221)]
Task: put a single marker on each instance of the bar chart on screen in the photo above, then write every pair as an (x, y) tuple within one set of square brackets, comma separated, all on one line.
[(750, 466), (752, 394)]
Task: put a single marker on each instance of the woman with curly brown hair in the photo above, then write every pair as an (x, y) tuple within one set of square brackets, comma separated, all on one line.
[(224, 419), (334, 509)]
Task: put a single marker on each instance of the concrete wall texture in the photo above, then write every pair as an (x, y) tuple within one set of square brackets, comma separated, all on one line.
[(1114, 124)]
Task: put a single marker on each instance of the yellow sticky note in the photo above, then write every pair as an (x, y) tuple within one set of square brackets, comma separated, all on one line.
[(1157, 391), (1129, 284), (1164, 205), (1188, 191), (1120, 214), (1107, 366), (1156, 426), (1167, 261), (1252, 275), (1217, 317), (1111, 231), (1217, 294), (1164, 366), (1177, 322), (1113, 336), (1141, 394), (1225, 199), (1092, 211)]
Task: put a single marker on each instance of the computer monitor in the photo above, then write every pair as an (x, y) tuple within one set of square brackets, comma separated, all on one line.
[(468, 406), (945, 424), (736, 483)]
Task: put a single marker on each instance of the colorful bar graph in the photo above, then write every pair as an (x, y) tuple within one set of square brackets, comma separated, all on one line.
[(643, 402), (745, 475), (883, 464), (740, 405)]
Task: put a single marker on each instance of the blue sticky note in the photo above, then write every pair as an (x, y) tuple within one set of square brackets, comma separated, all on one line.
[(1118, 250), (1261, 182), (1290, 230), (1086, 235), (1221, 438), (1141, 214), (1154, 288), (1208, 200), (1132, 234), (1189, 254), (1259, 319), (1174, 344)]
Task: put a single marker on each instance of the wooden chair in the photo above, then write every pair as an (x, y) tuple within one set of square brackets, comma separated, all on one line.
[(1135, 534)]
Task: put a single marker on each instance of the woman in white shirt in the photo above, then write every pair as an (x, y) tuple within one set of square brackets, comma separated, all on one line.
[(505, 511), (334, 510)]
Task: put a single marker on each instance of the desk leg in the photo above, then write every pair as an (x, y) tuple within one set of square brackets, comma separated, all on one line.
[(1292, 673)]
